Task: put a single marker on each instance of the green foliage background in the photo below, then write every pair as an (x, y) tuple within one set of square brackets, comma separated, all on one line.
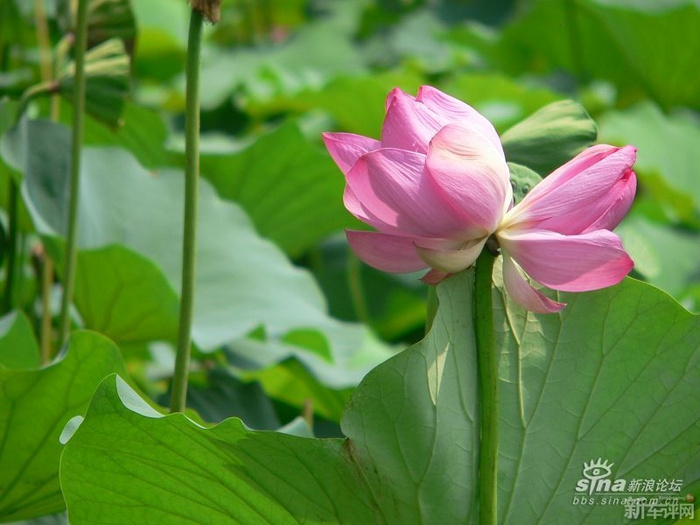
[(287, 320)]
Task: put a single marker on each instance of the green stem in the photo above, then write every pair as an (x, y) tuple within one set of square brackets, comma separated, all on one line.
[(43, 40), (11, 214), (76, 145), (8, 299), (356, 289), (182, 359), (46, 285), (45, 265), (487, 359)]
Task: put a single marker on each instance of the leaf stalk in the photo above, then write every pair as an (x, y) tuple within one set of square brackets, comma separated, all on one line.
[(487, 362), (189, 248), (12, 214), (76, 146)]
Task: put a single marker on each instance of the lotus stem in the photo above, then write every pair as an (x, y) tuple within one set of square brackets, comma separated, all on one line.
[(487, 363), (71, 257), (357, 293), (43, 40), (45, 264), (189, 256), (46, 285), (8, 298)]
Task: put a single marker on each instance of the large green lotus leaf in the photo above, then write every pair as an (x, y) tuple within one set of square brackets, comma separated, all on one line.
[(664, 256), (289, 187), (118, 292), (612, 39), (40, 151), (119, 199), (615, 376), (142, 132), (121, 294), (18, 346), (287, 194), (243, 281), (35, 405), (668, 155), (550, 137), (217, 394), (410, 428), (182, 473), (8, 114)]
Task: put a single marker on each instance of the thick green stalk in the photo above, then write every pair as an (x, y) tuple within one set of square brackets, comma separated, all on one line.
[(46, 285), (71, 257), (356, 289), (182, 359), (8, 299), (43, 40), (45, 264), (487, 359), (11, 218)]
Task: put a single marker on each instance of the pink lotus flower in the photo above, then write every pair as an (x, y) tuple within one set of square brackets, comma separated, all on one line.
[(559, 234), (437, 188)]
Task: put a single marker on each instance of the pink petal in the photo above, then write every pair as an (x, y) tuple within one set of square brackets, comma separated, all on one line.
[(524, 294), (353, 205), (619, 200), (583, 192), (408, 124), (389, 253), (450, 260), (391, 186), (581, 162), (392, 95), (573, 263), (455, 111), (471, 175), (346, 148)]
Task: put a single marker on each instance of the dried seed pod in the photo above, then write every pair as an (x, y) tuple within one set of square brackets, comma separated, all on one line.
[(210, 9)]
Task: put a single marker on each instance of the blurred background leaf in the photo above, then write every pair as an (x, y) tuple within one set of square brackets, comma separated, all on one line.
[(276, 74)]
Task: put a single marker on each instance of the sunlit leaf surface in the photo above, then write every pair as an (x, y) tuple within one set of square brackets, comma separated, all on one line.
[(628, 394)]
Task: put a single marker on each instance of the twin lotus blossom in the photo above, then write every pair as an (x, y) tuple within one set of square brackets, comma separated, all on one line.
[(436, 187)]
